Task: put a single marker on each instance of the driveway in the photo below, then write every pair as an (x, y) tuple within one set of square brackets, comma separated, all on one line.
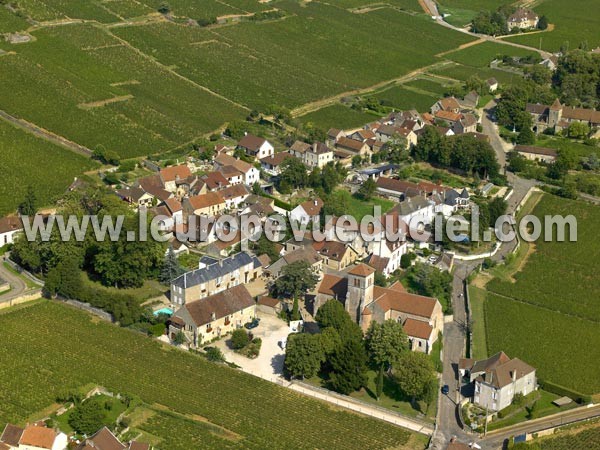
[(269, 363)]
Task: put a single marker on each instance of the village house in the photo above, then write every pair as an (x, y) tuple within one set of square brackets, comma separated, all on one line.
[(214, 181), (214, 275), (255, 146), (153, 185), (336, 255), (558, 117), (104, 439), (333, 135), (272, 164), (362, 135), (232, 167), (448, 104), (470, 100), (498, 379), (209, 204), (136, 197), (523, 19), (175, 176), (9, 227), (306, 212), (492, 85), (307, 254), (214, 316), (234, 196), (315, 155), (32, 437), (421, 317), (387, 133), (540, 154), (352, 147)]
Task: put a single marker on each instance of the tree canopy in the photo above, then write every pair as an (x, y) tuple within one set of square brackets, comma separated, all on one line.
[(385, 342), (296, 280), (303, 355)]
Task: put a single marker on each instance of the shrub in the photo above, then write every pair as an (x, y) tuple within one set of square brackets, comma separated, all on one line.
[(157, 329), (239, 339), (214, 354)]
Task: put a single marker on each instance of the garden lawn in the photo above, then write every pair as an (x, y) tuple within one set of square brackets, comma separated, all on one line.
[(27, 160), (359, 208), (77, 349), (574, 23), (579, 149)]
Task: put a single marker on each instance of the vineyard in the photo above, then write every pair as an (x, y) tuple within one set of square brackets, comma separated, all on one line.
[(481, 55), (317, 51), (162, 111), (552, 308), (26, 159), (588, 439), (62, 348), (573, 25)]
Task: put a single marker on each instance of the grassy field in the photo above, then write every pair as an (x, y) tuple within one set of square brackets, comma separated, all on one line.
[(338, 116), (10, 22), (481, 55), (430, 86), (479, 340), (551, 305), (77, 350), (573, 25), (27, 160), (461, 72), (402, 98), (291, 62), (409, 5)]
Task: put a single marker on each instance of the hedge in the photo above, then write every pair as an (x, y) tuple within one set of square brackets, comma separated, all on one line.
[(564, 391)]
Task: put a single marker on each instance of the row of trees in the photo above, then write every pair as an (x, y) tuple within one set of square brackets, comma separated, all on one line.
[(342, 355)]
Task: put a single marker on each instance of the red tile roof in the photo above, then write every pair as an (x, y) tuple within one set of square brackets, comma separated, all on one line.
[(361, 270), (417, 328), (174, 173)]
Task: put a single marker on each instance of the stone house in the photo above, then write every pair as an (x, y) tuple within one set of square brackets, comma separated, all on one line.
[(498, 379), (214, 316), (255, 146), (214, 275)]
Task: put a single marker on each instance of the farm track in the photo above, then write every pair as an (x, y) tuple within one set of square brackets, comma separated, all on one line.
[(171, 71), (45, 134), (314, 106)]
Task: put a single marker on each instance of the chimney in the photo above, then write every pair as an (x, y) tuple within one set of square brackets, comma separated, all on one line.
[(315, 147), (316, 203), (220, 263), (513, 375), (213, 316)]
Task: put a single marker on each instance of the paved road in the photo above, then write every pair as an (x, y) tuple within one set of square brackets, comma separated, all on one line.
[(496, 438), (455, 332), (17, 285)]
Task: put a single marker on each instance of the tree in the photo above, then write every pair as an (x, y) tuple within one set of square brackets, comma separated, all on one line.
[(367, 189), (296, 279), (330, 341), (357, 161), (332, 314), (171, 268), (542, 23), (497, 207), (295, 315), (293, 175), (88, 417), (579, 130), (385, 342), (64, 279), (379, 383), (516, 162), (28, 206), (405, 261), (414, 372), (526, 137), (239, 338), (164, 8), (349, 367), (303, 355), (424, 279)]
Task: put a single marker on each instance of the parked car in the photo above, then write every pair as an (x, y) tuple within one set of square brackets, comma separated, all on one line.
[(445, 389), (252, 324)]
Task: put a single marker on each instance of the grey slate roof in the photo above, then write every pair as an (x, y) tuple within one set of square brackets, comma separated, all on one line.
[(215, 270)]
